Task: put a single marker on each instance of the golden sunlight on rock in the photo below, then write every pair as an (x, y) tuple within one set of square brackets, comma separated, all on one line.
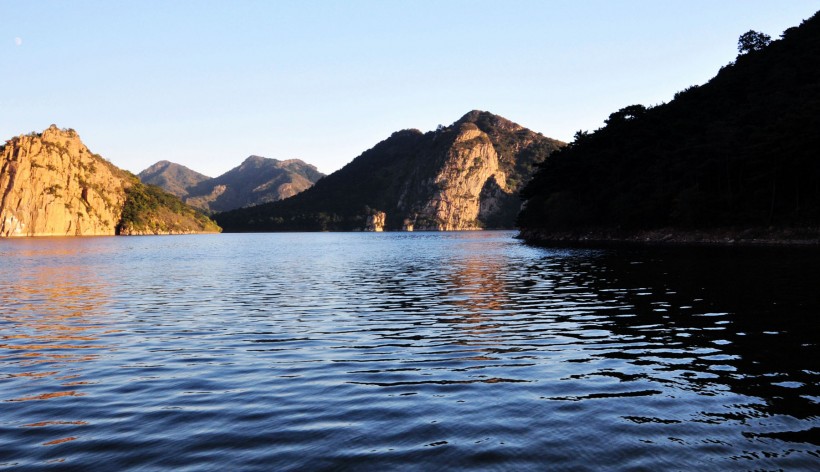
[(471, 163), (376, 221), (54, 186)]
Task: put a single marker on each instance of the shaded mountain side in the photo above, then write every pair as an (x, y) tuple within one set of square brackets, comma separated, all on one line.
[(52, 185), (257, 180), (737, 155), (173, 178), (464, 176)]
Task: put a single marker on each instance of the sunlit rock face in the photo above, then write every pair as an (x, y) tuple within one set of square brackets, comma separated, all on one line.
[(52, 185), (455, 190), (376, 221)]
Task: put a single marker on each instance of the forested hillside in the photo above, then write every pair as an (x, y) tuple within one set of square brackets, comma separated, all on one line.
[(739, 152)]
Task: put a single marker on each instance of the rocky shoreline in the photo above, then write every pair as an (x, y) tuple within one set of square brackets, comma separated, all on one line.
[(720, 237)]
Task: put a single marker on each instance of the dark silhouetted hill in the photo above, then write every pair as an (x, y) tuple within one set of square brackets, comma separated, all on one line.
[(737, 157)]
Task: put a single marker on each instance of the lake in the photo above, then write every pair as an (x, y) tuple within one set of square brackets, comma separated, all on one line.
[(404, 351)]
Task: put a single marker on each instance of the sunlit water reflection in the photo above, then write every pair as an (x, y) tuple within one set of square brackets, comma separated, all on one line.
[(404, 351)]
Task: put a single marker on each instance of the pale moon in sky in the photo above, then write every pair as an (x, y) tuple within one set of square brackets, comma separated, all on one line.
[(18, 41)]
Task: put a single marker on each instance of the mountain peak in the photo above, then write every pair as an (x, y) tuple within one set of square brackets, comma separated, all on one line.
[(473, 115), (158, 166), (254, 159), (52, 134), (486, 120), (174, 178)]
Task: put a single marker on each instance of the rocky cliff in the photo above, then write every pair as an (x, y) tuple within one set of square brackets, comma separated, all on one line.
[(455, 190), (257, 180), (52, 185), (461, 177), (375, 221)]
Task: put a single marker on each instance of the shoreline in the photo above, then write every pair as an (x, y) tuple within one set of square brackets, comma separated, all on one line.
[(670, 237)]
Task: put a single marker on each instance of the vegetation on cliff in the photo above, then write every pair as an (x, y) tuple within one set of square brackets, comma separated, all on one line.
[(148, 209), (462, 176), (737, 152)]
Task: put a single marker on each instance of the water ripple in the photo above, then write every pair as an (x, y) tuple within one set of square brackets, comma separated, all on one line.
[(403, 351)]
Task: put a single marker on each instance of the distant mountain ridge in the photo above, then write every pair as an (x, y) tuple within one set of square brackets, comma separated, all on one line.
[(733, 159), (174, 178), (256, 180), (459, 177)]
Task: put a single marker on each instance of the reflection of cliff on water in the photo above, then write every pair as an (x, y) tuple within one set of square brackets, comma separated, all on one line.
[(744, 319), (478, 291), (49, 318), (51, 324), (467, 286), (438, 312)]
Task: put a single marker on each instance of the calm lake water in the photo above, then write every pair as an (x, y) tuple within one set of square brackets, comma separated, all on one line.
[(404, 351)]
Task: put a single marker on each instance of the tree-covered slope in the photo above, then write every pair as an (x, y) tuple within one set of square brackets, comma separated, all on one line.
[(149, 209), (738, 152)]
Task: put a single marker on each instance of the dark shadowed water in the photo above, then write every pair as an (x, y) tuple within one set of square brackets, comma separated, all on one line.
[(404, 351)]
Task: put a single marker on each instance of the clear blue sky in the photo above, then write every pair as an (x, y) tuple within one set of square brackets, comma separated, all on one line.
[(206, 83)]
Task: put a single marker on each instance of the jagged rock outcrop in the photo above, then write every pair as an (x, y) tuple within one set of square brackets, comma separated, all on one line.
[(257, 180), (461, 177), (52, 185), (375, 221)]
